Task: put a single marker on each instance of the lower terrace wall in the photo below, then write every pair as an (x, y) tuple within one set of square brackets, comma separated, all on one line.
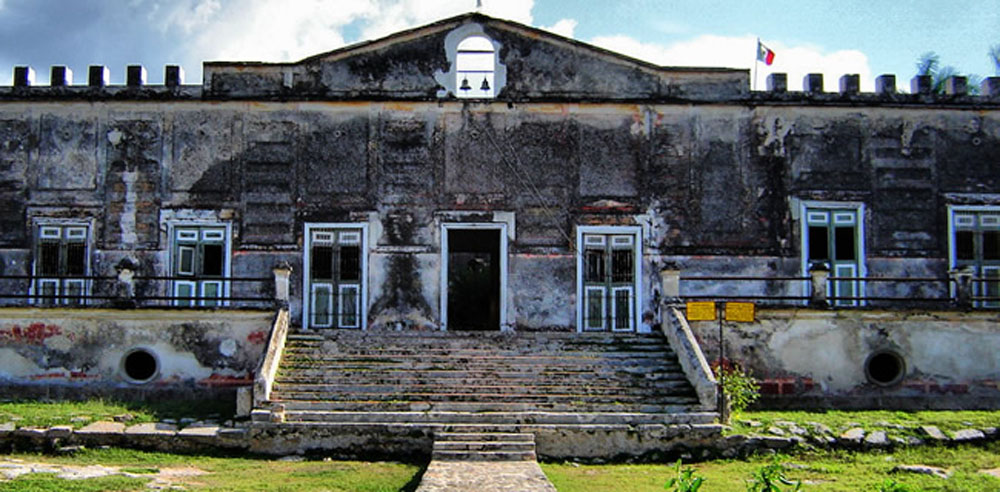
[(806, 358), (69, 353)]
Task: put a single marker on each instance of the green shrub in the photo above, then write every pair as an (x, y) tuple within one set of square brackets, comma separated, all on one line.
[(740, 387), (770, 478), (685, 481)]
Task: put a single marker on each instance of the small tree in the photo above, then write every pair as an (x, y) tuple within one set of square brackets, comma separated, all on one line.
[(739, 385)]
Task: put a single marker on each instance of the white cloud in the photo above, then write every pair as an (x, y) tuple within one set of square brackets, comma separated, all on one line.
[(563, 27), (739, 52), (274, 31)]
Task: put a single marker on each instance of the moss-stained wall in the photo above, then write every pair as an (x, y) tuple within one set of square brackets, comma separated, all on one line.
[(86, 348), (715, 186), (817, 359)]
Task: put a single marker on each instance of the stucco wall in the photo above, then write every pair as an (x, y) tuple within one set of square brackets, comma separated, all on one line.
[(84, 348), (807, 358)]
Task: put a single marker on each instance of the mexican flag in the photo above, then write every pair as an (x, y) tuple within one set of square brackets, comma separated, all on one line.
[(764, 53)]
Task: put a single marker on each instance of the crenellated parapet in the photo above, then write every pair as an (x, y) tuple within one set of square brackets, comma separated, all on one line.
[(956, 91), (98, 85)]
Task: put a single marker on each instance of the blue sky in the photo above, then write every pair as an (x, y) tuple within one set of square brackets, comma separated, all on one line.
[(833, 37)]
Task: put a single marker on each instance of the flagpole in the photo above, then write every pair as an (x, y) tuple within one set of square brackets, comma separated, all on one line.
[(756, 60)]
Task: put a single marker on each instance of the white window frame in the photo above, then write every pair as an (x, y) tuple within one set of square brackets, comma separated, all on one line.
[(59, 225), (954, 210), (500, 226), (636, 233), (198, 289), (862, 268), (307, 307)]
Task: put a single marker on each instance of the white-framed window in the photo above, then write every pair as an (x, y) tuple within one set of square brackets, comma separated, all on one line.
[(475, 68), (335, 277), (833, 235), (61, 263), (609, 266), (974, 242), (199, 264)]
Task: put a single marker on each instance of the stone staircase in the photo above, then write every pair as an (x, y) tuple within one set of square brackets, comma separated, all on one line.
[(479, 395), (484, 446)]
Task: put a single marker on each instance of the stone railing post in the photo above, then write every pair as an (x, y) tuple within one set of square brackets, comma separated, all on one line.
[(818, 273), (125, 284), (282, 274), (670, 285), (962, 277)]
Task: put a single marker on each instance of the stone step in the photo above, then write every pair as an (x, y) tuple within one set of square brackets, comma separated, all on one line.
[(485, 436), (483, 455), (591, 372), (510, 356), (309, 385), (487, 398), (675, 405), (503, 421), (488, 445)]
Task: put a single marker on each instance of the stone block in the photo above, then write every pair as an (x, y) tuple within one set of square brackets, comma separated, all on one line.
[(59, 432), (98, 76), (244, 401), (24, 76), (199, 430), (813, 83), (31, 432), (777, 82), (990, 87), (173, 76), (885, 84), (921, 84), (60, 76), (956, 86), (152, 429), (877, 439), (854, 435), (6, 428), (102, 427), (135, 75), (850, 84), (933, 433), (968, 435)]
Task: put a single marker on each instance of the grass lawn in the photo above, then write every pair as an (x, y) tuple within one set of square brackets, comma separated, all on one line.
[(220, 473), (80, 413), (870, 420), (820, 471)]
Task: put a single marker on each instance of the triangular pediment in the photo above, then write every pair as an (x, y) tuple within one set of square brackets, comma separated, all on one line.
[(420, 63)]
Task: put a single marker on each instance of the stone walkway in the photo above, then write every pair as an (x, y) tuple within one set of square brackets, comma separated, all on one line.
[(484, 476)]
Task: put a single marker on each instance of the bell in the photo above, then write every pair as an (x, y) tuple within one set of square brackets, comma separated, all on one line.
[(485, 86), (465, 85)]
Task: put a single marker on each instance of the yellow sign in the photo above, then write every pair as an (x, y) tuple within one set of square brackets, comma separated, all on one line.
[(700, 311), (740, 311)]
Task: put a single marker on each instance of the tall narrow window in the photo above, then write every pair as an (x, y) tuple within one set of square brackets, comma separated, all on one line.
[(475, 67), (62, 262), (609, 282), (199, 265), (975, 243), (334, 277), (832, 237)]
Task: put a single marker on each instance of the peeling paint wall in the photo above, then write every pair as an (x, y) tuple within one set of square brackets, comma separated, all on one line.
[(817, 359), (715, 187), (85, 349)]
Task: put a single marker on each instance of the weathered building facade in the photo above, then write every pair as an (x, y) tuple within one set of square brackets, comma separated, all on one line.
[(479, 174)]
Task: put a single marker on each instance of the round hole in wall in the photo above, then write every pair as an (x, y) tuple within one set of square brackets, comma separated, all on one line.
[(885, 368), (140, 365)]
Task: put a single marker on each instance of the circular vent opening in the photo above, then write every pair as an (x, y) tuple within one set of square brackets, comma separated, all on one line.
[(885, 368), (140, 366)]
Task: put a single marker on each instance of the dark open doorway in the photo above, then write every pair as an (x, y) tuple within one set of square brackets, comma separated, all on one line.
[(473, 279)]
